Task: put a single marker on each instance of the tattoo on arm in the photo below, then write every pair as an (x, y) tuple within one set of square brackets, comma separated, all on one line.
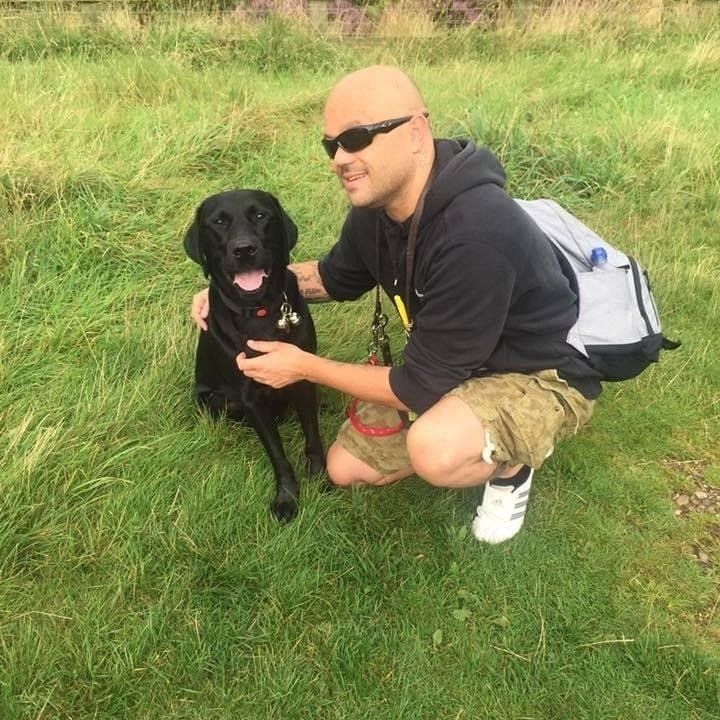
[(309, 282)]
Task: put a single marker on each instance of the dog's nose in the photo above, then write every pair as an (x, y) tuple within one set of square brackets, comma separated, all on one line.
[(244, 249)]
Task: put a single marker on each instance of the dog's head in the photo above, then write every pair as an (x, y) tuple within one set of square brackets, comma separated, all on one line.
[(242, 239)]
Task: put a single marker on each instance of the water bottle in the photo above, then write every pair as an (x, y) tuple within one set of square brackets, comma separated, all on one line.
[(598, 258)]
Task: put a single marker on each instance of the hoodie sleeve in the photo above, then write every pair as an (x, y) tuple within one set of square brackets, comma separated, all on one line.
[(344, 273), (466, 296)]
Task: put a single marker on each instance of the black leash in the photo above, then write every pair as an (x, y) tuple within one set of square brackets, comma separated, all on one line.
[(380, 340), (412, 241)]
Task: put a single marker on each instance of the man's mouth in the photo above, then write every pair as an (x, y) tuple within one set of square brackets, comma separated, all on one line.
[(250, 280), (350, 180)]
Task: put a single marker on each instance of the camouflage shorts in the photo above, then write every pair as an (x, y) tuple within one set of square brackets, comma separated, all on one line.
[(525, 416)]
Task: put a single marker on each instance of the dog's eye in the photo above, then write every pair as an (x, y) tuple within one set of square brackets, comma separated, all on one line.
[(219, 221), (260, 215)]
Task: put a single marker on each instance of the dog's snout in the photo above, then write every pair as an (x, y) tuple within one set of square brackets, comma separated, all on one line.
[(244, 249)]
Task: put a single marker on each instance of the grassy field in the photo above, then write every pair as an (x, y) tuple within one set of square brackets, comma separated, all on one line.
[(141, 575)]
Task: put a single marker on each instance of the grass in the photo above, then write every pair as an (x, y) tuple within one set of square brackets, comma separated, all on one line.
[(141, 574)]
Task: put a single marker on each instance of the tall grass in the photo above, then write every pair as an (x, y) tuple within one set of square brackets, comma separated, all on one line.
[(141, 575)]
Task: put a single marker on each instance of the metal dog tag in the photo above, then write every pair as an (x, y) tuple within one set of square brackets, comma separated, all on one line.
[(288, 317)]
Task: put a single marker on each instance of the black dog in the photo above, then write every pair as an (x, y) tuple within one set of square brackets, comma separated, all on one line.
[(242, 240)]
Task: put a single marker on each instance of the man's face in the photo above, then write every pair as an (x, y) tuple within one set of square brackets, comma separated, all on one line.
[(377, 174)]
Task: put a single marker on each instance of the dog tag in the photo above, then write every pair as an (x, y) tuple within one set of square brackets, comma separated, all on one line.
[(288, 317)]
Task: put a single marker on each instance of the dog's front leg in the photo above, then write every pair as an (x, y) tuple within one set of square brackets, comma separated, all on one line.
[(304, 397), (285, 505)]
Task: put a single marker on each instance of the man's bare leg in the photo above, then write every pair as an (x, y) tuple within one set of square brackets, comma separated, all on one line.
[(446, 447), (345, 470)]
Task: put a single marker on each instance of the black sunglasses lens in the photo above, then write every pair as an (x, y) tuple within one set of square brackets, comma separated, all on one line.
[(354, 139), (330, 146)]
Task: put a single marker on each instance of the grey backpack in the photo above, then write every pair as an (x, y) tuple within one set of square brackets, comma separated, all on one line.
[(618, 326)]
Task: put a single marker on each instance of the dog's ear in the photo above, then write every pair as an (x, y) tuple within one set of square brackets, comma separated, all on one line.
[(192, 243), (289, 227), (291, 231)]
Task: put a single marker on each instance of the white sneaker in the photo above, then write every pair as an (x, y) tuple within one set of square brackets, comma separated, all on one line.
[(502, 511)]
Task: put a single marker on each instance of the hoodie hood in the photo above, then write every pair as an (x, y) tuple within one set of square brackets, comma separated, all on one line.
[(459, 166)]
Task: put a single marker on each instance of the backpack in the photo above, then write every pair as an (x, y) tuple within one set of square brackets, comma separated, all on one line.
[(618, 327)]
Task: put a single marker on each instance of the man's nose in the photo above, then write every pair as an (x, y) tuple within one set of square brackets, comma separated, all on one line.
[(342, 157)]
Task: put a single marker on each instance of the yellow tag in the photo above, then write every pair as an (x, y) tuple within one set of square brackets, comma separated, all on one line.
[(400, 305)]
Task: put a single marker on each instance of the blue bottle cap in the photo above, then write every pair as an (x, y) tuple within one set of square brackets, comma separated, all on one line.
[(598, 256)]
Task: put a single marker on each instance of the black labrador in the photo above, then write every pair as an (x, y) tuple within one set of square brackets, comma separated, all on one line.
[(242, 240)]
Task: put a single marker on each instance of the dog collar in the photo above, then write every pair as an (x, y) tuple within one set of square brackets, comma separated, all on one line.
[(250, 311), (288, 317), (246, 311)]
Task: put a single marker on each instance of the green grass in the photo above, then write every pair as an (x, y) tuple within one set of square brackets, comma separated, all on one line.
[(141, 575)]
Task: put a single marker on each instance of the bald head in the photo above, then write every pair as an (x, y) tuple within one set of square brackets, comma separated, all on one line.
[(385, 166), (375, 93)]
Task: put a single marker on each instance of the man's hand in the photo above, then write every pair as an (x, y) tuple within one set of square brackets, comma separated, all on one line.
[(200, 308), (281, 365)]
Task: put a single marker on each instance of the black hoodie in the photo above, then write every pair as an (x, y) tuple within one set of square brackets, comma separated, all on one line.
[(488, 294)]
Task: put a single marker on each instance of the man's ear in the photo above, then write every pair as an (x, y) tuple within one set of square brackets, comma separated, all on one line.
[(419, 127), (289, 228), (192, 243)]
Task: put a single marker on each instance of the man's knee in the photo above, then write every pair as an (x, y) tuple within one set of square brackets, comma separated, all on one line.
[(445, 439), (337, 467), (344, 469)]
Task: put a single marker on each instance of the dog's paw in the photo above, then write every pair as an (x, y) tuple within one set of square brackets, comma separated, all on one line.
[(284, 507)]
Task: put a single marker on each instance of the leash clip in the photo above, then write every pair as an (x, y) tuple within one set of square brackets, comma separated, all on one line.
[(380, 340)]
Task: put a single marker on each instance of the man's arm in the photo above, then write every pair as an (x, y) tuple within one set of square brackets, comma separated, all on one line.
[(283, 363), (309, 282), (365, 382)]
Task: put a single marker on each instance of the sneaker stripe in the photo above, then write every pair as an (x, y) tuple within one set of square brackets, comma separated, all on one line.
[(521, 504), (518, 515), (524, 493)]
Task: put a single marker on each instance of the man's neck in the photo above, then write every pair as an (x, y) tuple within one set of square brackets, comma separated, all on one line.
[(402, 209)]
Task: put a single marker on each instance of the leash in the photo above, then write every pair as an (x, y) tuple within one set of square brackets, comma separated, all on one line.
[(404, 310), (379, 343), (380, 340)]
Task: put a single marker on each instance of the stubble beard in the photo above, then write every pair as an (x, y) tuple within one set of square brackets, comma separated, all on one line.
[(377, 197)]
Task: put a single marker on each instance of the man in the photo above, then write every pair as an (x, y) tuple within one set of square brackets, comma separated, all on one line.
[(486, 367)]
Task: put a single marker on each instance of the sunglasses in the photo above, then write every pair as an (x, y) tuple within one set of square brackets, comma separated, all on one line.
[(359, 137)]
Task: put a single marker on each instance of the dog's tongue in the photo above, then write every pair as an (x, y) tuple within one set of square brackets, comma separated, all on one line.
[(250, 280)]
